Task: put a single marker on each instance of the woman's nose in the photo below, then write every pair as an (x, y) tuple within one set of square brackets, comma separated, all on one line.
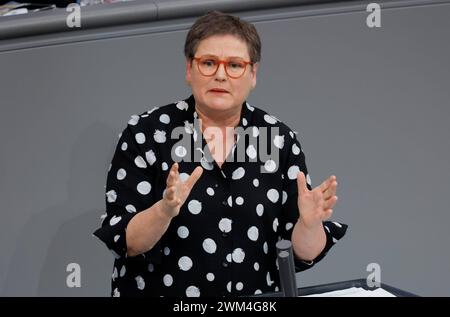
[(221, 74)]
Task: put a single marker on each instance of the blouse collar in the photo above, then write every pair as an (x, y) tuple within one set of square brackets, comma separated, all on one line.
[(244, 122)]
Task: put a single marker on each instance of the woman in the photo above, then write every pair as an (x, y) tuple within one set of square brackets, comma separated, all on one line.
[(202, 218)]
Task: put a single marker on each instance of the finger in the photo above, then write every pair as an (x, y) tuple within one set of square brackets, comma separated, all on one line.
[(331, 191), (318, 198), (174, 166), (330, 203), (171, 176), (171, 179), (171, 192), (301, 183), (173, 203), (327, 214), (190, 182), (326, 183)]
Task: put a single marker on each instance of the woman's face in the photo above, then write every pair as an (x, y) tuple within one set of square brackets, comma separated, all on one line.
[(237, 89)]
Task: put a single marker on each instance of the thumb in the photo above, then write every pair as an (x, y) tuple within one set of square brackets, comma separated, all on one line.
[(190, 182), (301, 183)]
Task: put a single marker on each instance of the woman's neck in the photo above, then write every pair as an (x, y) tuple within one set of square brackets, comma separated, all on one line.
[(220, 120)]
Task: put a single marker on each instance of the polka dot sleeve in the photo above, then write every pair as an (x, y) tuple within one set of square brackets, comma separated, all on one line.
[(128, 189), (295, 162)]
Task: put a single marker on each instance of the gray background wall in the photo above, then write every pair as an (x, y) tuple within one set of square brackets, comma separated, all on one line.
[(370, 105)]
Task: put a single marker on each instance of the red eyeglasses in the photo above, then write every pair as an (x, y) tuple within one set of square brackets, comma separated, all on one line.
[(234, 66)]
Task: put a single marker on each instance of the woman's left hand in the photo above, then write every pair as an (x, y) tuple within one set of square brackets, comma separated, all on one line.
[(316, 205)]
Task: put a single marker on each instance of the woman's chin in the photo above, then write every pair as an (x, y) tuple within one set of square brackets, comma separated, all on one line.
[(219, 104)]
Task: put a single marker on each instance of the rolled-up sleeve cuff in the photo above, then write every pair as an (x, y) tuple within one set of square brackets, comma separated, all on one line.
[(113, 233), (334, 231)]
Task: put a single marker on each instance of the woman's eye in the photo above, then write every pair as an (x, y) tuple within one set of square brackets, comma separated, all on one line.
[(235, 65), (209, 62)]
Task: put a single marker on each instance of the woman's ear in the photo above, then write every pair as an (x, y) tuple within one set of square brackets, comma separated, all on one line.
[(188, 71), (255, 68)]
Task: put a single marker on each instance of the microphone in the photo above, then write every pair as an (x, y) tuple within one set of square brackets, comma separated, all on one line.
[(286, 268)]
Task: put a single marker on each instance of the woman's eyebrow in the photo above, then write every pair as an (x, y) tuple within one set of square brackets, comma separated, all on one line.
[(239, 57), (209, 55), (215, 56)]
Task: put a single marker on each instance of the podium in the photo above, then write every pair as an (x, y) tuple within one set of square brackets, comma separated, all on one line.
[(351, 288), (333, 288)]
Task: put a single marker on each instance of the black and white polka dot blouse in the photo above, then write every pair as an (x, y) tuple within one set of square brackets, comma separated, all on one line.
[(222, 243)]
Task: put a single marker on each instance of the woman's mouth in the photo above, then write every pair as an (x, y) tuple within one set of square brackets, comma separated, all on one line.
[(219, 91)]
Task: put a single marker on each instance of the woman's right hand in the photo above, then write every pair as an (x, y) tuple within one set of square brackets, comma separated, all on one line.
[(177, 191)]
